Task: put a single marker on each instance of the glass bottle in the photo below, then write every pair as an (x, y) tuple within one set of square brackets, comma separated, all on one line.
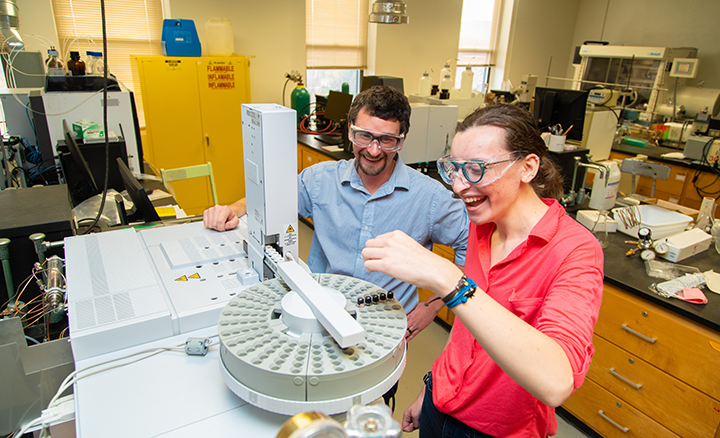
[(76, 66), (53, 63), (600, 229), (707, 213)]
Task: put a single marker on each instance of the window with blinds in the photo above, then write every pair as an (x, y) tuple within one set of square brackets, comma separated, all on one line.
[(478, 31), (133, 27), (336, 33)]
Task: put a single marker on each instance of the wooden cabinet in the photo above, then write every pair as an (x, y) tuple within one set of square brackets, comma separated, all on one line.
[(680, 187), (444, 314), (653, 372), (192, 113), (307, 156)]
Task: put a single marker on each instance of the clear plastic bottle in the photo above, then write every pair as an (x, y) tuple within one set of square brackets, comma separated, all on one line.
[(95, 64), (53, 63), (425, 85)]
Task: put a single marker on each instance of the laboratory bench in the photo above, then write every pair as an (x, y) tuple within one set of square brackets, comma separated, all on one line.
[(656, 360), (685, 175)]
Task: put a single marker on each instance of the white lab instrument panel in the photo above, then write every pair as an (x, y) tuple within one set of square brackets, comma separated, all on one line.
[(77, 105), (270, 153), (433, 128), (127, 288)]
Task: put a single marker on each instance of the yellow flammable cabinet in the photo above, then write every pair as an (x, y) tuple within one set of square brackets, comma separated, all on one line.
[(192, 116)]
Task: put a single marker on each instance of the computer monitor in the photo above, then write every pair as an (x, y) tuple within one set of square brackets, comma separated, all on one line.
[(144, 209), (338, 105), (555, 106), (337, 108), (390, 81), (79, 176)]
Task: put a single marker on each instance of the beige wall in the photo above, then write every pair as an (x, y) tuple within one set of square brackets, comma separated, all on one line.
[(273, 31), (37, 25), (663, 23), (540, 37), (426, 42)]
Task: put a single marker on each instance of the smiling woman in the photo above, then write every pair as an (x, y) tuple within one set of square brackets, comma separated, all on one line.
[(528, 299)]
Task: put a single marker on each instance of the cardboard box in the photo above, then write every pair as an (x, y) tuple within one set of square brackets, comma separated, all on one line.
[(687, 244), (86, 130)]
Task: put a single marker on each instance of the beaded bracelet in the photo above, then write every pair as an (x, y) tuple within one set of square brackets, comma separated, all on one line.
[(465, 289)]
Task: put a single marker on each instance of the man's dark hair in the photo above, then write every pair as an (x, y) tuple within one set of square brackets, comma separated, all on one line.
[(384, 102), (521, 135)]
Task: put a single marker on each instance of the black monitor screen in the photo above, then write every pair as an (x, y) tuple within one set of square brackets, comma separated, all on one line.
[(338, 105), (82, 166), (144, 209), (554, 106)]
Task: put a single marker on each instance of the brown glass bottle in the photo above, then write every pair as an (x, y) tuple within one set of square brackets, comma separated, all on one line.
[(76, 66)]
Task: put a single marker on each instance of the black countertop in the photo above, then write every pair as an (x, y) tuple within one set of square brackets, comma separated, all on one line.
[(310, 141), (628, 273), (655, 153)]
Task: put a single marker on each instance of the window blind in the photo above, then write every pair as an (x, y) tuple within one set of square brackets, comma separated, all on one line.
[(133, 27), (336, 33), (478, 31)]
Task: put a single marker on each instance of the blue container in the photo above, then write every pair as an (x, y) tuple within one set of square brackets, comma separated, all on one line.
[(180, 38)]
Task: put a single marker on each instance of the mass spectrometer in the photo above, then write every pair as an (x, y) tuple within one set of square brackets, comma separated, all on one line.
[(290, 341)]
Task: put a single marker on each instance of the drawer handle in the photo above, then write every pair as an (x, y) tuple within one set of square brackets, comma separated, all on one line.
[(640, 335), (634, 385), (624, 429)]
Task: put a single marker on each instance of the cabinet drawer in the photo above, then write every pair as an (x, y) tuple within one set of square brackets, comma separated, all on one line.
[(676, 405), (611, 416), (670, 342)]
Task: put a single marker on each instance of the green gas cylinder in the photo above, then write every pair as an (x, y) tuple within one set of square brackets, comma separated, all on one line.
[(300, 101)]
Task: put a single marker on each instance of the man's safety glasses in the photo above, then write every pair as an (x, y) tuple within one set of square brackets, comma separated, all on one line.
[(386, 142)]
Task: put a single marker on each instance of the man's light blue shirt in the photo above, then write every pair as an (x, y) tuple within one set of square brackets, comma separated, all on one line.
[(346, 215)]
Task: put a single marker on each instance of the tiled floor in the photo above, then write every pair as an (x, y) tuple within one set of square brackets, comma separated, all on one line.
[(422, 351)]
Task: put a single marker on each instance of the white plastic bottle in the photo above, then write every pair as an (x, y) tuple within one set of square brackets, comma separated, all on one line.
[(603, 196), (446, 83), (220, 37), (445, 71), (466, 83), (425, 85)]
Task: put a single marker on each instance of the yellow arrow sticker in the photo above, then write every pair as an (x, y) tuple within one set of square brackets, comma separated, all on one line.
[(183, 278), (195, 275)]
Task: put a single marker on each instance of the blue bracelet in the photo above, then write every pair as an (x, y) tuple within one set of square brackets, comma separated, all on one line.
[(467, 291)]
